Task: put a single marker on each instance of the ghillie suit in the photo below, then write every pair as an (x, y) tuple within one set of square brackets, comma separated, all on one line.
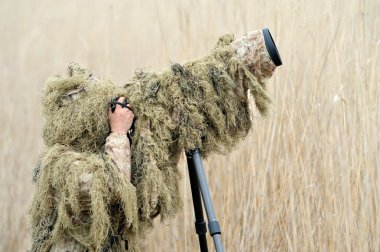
[(201, 104)]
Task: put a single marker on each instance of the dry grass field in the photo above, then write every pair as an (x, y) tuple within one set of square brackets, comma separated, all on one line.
[(306, 179)]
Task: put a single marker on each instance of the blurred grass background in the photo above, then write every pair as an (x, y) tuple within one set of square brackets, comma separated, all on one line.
[(306, 179)]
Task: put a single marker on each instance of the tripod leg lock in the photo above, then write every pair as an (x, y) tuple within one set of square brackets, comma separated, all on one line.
[(200, 227), (214, 227)]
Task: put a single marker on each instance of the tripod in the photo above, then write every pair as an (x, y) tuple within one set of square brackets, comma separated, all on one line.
[(199, 185)]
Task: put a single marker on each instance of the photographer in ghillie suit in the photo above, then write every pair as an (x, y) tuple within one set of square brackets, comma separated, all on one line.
[(96, 192), (84, 198)]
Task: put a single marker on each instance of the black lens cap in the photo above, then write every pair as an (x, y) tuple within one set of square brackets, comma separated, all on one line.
[(271, 48)]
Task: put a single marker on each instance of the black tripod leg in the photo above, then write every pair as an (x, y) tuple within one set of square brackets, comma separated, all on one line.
[(213, 223), (200, 224)]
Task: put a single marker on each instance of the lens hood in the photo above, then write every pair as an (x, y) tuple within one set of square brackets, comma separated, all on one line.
[(271, 47)]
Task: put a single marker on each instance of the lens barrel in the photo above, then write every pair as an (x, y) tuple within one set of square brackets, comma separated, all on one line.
[(271, 47)]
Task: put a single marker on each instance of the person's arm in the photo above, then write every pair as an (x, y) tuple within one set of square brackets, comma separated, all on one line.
[(117, 147), (117, 144)]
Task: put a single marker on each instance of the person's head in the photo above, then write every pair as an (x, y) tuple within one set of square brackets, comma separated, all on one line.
[(75, 107)]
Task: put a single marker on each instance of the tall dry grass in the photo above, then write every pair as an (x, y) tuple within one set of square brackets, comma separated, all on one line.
[(306, 179)]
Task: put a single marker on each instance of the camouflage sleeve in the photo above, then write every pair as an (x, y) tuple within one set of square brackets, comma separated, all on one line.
[(118, 148)]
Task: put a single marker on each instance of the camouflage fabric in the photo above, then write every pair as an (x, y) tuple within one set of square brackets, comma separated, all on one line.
[(118, 148), (250, 49), (67, 244)]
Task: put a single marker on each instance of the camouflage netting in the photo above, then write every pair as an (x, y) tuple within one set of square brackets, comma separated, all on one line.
[(202, 104)]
